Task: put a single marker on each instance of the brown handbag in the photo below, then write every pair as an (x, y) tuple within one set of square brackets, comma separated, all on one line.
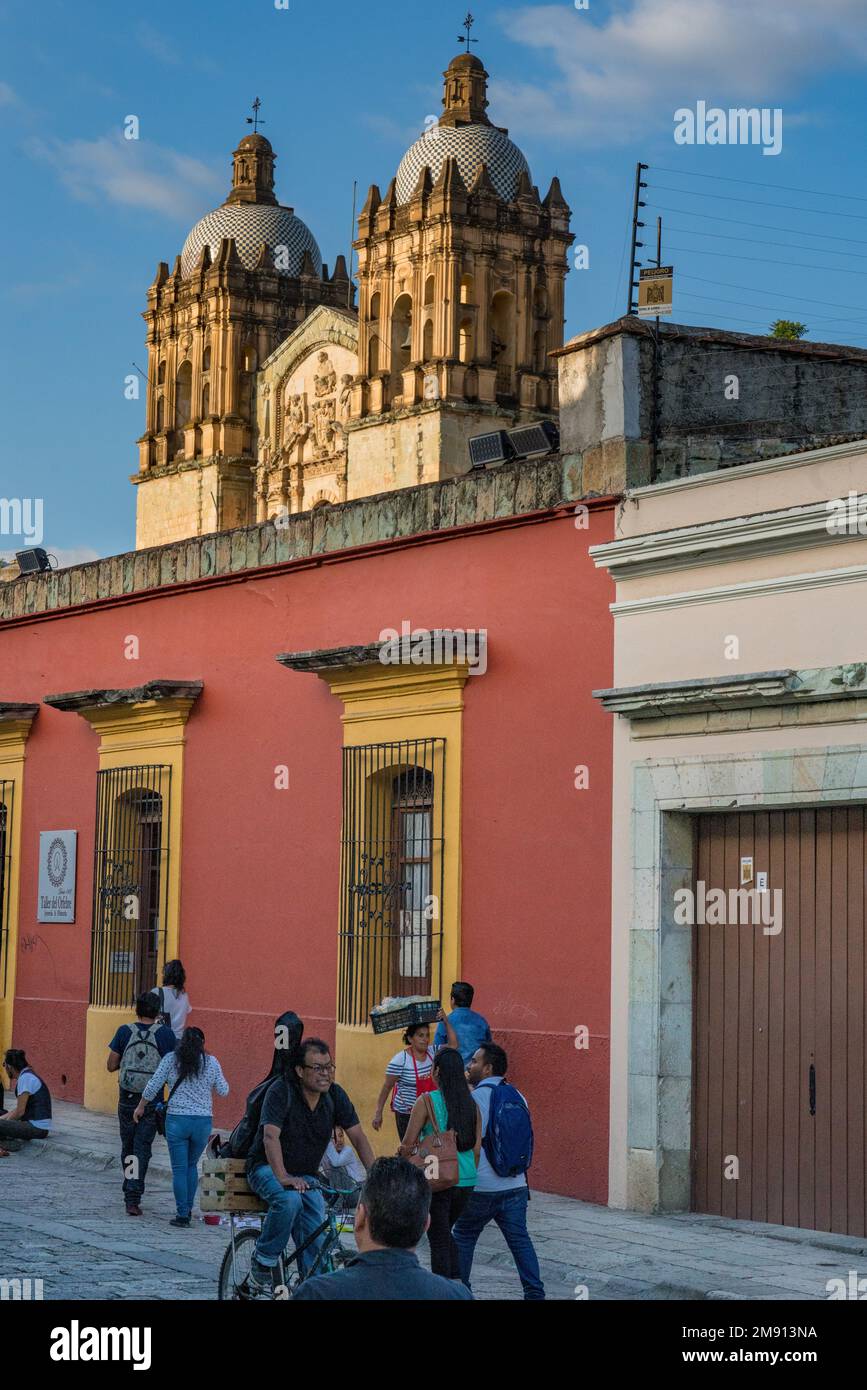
[(436, 1154)]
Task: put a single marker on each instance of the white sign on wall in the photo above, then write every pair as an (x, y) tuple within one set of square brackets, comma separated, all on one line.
[(57, 875)]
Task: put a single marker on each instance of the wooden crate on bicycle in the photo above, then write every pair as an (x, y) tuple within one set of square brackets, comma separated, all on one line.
[(224, 1187)]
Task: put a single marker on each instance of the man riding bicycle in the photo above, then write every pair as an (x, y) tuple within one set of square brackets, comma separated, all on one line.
[(297, 1121)]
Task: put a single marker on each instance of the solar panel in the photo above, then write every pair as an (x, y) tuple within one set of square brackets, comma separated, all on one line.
[(531, 441), (490, 448)]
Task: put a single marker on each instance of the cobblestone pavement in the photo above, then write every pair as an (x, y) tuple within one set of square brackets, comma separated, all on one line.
[(65, 1224), (62, 1220)]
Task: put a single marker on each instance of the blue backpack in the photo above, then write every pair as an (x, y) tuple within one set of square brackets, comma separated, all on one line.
[(508, 1141)]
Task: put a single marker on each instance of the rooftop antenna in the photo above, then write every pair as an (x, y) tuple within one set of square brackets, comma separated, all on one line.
[(254, 120), (465, 38)]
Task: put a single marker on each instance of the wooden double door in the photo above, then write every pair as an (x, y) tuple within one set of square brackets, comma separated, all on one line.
[(780, 1037)]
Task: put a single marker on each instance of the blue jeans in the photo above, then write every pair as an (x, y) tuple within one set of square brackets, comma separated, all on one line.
[(290, 1213), (509, 1210), (186, 1136)]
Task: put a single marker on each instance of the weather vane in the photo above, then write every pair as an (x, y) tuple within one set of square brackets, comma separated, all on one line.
[(465, 38), (254, 119)]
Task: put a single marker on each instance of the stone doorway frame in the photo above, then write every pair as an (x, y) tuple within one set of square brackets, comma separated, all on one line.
[(667, 793)]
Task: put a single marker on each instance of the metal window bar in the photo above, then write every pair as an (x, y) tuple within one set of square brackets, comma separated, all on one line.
[(130, 881), (7, 792), (391, 897)]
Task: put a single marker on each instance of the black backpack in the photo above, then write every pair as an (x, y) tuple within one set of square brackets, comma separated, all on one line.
[(240, 1141)]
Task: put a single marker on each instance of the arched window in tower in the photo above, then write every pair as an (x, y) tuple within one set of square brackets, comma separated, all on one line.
[(184, 395), (247, 382), (540, 302), (429, 285), (206, 382), (465, 341), (468, 289), (428, 339), (502, 338), (373, 355), (160, 413), (540, 351), (161, 373), (401, 336)]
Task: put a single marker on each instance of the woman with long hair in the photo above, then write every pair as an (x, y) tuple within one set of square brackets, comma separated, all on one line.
[(175, 1003), (454, 1108), (407, 1076), (193, 1074)]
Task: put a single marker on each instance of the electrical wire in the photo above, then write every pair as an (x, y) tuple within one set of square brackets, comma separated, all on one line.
[(758, 183)]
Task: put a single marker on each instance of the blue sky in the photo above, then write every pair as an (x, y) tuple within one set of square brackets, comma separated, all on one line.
[(345, 88)]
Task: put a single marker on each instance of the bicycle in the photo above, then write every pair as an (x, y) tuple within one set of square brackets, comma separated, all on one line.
[(288, 1275)]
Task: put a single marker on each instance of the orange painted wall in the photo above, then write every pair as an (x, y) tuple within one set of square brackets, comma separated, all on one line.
[(260, 866)]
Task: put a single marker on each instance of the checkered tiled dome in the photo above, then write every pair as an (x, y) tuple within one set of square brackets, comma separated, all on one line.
[(472, 146), (251, 224)]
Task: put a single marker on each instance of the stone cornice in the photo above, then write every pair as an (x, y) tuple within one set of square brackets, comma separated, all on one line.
[(11, 713), (79, 700), (519, 493), (717, 542), (761, 689)]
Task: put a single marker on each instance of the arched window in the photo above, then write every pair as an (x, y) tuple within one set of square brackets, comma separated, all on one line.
[(429, 289), (5, 838), (428, 340), (502, 338), (161, 373), (374, 359), (468, 291), (540, 301), (540, 350), (206, 359), (206, 400), (465, 341), (246, 382), (401, 337), (130, 885), (412, 847), (184, 395), (391, 899)]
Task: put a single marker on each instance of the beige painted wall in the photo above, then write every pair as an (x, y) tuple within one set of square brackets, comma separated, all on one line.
[(818, 624)]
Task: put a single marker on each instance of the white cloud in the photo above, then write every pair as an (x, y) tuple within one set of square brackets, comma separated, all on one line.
[(613, 79), (132, 173), (155, 43)]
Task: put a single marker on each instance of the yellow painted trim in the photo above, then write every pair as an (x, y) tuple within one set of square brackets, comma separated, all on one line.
[(152, 731), (100, 1085), (13, 738), (386, 704)]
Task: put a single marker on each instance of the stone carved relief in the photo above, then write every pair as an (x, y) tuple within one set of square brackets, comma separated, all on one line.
[(325, 380)]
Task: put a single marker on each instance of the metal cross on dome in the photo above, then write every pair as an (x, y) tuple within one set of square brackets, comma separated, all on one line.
[(254, 119), (465, 38)]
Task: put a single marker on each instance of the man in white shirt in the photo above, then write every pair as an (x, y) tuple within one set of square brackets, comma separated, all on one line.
[(31, 1118), (495, 1198)]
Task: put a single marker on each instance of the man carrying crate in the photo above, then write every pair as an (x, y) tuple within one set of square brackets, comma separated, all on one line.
[(298, 1118)]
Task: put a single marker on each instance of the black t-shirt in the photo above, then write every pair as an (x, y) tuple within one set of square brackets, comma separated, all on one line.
[(304, 1133)]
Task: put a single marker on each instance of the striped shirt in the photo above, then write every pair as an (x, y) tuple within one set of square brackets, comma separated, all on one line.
[(403, 1071), (193, 1096)]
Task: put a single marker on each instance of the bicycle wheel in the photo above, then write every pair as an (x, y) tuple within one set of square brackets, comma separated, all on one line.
[(229, 1286)]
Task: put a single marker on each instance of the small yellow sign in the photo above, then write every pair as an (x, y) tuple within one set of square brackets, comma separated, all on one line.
[(655, 291)]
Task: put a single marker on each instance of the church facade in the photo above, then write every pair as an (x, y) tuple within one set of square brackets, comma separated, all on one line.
[(270, 392)]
